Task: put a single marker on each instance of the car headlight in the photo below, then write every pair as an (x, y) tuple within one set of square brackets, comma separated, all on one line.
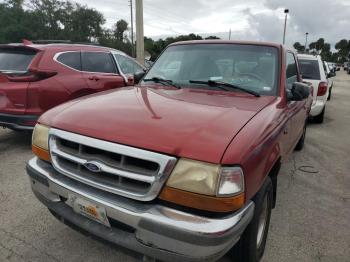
[(195, 176), (231, 181), (206, 186), (40, 142)]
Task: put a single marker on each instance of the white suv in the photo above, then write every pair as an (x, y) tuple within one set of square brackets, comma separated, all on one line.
[(312, 71)]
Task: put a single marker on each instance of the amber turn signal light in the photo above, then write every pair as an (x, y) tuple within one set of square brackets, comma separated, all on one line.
[(202, 202), (41, 153)]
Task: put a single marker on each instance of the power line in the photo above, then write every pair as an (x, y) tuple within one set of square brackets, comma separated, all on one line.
[(165, 28), (175, 17), (164, 14)]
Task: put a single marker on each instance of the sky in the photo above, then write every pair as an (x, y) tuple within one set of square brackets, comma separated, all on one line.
[(261, 20)]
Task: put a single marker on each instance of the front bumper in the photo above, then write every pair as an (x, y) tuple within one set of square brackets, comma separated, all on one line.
[(18, 122), (148, 228)]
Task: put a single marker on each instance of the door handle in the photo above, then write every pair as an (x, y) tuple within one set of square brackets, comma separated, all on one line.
[(94, 78)]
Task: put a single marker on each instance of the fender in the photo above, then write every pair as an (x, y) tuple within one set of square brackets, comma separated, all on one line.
[(258, 146)]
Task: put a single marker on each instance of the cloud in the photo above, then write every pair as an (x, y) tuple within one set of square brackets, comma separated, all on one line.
[(249, 19), (320, 18)]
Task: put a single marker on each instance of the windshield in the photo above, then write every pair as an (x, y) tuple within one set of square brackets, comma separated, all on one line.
[(309, 69), (251, 67), (15, 60)]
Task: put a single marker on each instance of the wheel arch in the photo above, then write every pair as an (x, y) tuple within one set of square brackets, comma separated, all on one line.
[(273, 174)]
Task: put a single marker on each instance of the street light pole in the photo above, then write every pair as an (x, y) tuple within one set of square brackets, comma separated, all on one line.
[(286, 11), (140, 45), (132, 29), (306, 35)]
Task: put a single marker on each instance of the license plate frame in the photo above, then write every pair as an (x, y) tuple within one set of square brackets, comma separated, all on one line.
[(88, 209)]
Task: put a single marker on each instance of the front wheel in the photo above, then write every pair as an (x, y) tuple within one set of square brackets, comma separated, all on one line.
[(301, 141), (251, 246)]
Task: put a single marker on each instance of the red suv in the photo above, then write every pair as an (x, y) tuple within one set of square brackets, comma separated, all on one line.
[(35, 78)]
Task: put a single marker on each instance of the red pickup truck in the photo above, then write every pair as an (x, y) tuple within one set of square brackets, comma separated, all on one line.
[(37, 77), (183, 166)]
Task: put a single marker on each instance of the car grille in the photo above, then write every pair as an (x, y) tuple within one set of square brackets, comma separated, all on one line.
[(118, 169)]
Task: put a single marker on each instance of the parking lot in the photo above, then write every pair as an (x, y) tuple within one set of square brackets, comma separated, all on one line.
[(310, 222)]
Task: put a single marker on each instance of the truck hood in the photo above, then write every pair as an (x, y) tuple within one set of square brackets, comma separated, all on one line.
[(191, 123)]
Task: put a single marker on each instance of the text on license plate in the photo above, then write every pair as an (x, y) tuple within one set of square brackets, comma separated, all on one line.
[(89, 210)]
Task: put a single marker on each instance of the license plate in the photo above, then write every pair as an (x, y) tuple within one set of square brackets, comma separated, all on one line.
[(89, 210)]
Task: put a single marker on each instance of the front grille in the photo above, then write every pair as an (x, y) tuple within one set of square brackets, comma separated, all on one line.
[(123, 170)]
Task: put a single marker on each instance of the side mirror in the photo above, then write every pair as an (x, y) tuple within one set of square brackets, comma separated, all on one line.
[(330, 74), (299, 92), (131, 80), (139, 76)]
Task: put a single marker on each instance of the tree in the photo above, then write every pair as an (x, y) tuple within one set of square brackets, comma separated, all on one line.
[(13, 21), (316, 47), (115, 38), (119, 29), (156, 47), (297, 46), (212, 37), (84, 24), (326, 53), (66, 20), (49, 20), (343, 48)]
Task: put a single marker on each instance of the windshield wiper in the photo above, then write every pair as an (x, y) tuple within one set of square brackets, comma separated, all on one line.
[(219, 84), (162, 81)]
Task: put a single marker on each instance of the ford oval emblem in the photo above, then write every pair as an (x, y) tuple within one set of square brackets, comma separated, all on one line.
[(93, 167)]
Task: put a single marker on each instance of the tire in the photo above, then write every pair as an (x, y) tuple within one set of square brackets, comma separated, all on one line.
[(319, 119), (251, 246), (330, 94), (301, 141)]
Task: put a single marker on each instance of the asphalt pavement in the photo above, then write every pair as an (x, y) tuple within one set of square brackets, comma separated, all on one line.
[(310, 223)]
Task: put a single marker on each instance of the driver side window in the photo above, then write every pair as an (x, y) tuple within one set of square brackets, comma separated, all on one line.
[(128, 66)]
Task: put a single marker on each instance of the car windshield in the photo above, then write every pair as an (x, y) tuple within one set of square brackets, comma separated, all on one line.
[(15, 60), (252, 67), (309, 69)]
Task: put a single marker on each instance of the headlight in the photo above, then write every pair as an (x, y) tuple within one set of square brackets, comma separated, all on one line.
[(205, 186), (195, 176), (231, 181), (40, 142), (207, 179)]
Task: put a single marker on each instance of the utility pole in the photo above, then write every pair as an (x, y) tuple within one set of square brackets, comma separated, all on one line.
[(229, 35), (132, 29), (306, 35), (286, 11), (140, 45)]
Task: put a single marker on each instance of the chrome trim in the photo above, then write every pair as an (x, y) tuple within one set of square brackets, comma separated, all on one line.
[(156, 226), (118, 66), (55, 57), (166, 164), (103, 167)]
